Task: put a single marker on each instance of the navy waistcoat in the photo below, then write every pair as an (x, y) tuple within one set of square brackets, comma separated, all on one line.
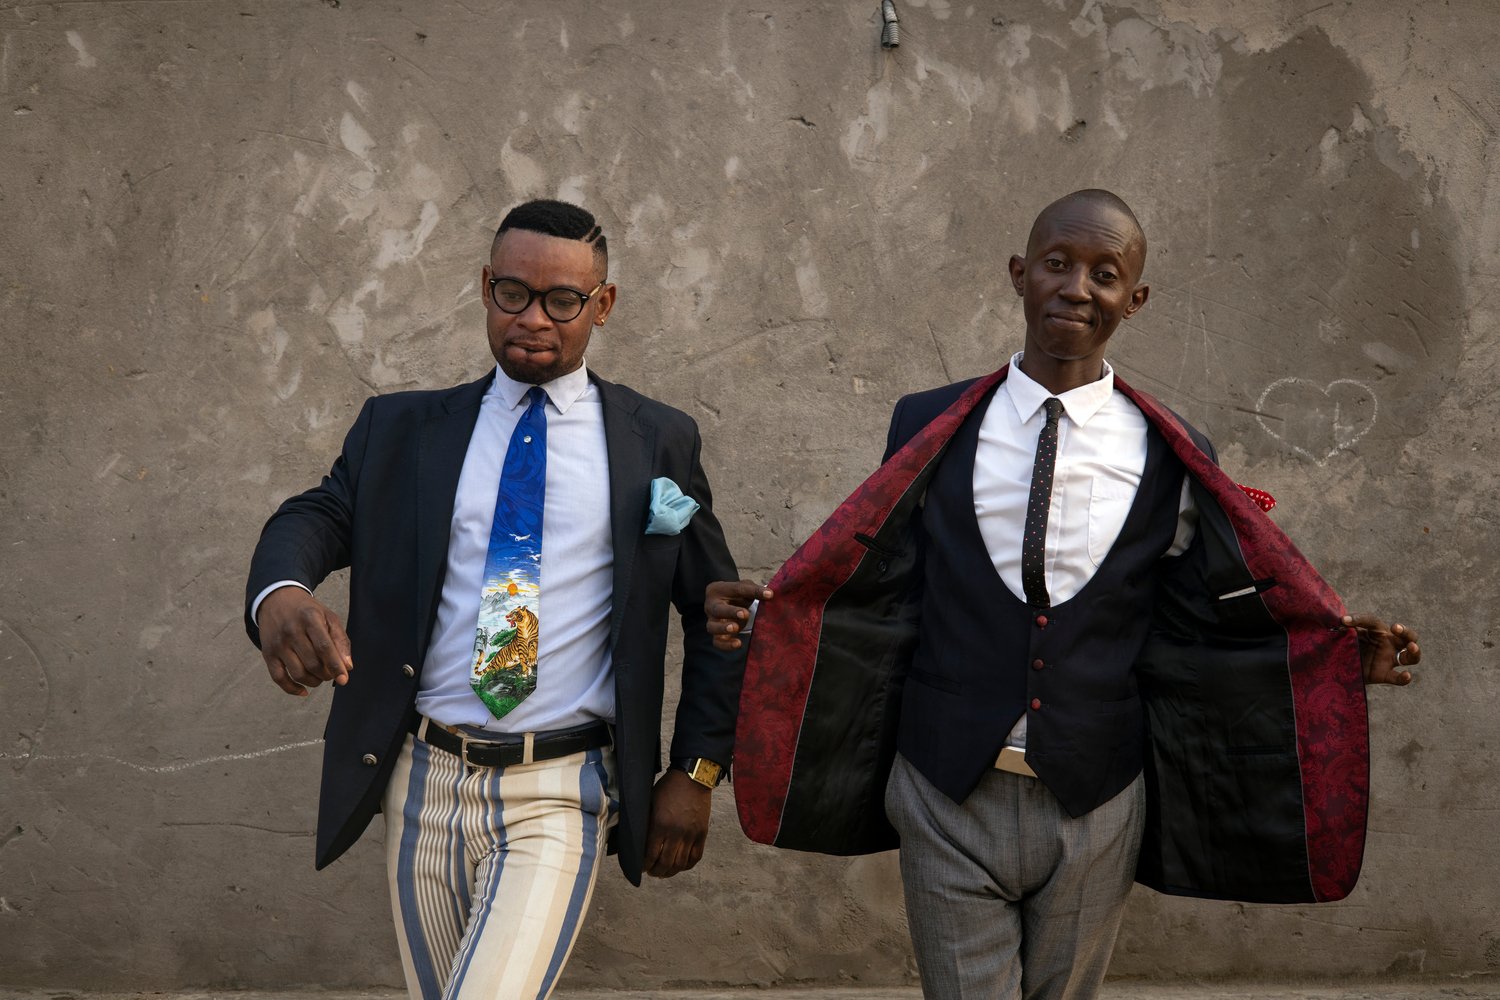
[(983, 657)]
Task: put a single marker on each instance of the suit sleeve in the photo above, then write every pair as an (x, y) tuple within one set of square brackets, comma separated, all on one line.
[(711, 678), (311, 534), (894, 439)]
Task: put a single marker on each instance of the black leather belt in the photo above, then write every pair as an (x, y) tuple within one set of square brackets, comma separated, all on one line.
[(525, 748)]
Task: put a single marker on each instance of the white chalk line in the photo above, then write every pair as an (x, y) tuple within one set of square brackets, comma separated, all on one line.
[(1338, 446), (163, 768)]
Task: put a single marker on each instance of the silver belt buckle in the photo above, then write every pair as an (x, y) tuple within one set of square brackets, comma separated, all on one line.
[(463, 747), (528, 741)]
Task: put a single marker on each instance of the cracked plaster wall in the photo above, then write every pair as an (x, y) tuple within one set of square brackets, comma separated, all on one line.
[(228, 223)]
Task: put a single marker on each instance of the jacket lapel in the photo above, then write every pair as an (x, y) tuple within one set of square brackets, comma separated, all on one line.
[(834, 645), (443, 443), (1306, 654), (630, 444)]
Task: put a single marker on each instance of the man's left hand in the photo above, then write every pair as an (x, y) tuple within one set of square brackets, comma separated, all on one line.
[(727, 604), (1384, 652), (679, 824)]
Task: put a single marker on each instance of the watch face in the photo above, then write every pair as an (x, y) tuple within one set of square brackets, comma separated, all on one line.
[(705, 772)]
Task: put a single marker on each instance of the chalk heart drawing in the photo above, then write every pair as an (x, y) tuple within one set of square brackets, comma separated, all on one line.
[(1317, 421)]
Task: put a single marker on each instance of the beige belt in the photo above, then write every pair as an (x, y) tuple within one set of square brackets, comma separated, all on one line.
[(1013, 759)]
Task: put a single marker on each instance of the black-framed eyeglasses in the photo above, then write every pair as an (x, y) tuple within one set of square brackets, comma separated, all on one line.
[(561, 304)]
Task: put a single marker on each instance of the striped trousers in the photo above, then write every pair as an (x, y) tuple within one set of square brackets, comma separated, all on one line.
[(491, 869)]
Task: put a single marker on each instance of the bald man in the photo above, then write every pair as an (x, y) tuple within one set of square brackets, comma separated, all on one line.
[(1041, 531)]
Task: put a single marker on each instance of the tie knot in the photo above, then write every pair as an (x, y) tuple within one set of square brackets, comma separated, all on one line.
[(1054, 409), (538, 396)]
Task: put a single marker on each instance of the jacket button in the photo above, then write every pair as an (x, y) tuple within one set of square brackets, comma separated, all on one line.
[(407, 670), (1036, 703), (1041, 621), (1037, 664), (370, 759)]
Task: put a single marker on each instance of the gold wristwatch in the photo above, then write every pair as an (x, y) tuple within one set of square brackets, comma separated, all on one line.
[(702, 770)]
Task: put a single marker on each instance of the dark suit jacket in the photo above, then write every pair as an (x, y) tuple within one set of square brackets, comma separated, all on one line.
[(384, 510), (1256, 759)]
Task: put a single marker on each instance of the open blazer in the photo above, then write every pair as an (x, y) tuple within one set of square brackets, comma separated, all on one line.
[(1257, 752)]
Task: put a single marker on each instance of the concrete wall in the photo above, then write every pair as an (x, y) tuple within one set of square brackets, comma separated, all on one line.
[(227, 223)]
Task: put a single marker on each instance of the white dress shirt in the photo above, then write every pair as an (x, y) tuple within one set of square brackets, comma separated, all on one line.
[(1101, 453), (575, 683)]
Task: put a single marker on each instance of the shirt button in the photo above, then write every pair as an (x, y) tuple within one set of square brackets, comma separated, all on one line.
[(407, 670), (370, 759), (1036, 703), (1037, 664), (1041, 621)]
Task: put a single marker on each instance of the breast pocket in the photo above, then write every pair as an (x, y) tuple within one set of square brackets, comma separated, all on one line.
[(661, 545), (1109, 504)]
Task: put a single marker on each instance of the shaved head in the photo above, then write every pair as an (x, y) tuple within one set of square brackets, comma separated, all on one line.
[(1079, 279), (1097, 199)]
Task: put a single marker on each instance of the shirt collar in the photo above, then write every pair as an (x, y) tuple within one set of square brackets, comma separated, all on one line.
[(1079, 404), (563, 391)]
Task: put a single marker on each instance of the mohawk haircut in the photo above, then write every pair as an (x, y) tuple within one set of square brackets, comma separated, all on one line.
[(560, 219)]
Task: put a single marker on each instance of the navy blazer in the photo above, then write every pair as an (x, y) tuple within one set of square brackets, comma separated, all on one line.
[(384, 510), (1256, 759)]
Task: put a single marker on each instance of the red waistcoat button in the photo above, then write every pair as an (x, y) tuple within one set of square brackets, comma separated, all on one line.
[(1036, 703), (1037, 664), (1041, 621)]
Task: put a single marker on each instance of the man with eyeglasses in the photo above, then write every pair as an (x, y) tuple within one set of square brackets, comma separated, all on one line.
[(514, 544)]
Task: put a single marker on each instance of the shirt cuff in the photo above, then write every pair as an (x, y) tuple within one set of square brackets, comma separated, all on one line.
[(255, 605)]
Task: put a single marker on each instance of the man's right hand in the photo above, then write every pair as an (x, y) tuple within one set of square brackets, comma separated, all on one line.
[(303, 642), (727, 604)]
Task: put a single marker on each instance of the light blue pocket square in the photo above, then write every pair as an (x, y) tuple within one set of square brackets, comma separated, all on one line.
[(671, 509)]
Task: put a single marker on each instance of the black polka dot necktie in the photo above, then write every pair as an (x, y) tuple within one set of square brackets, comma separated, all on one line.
[(1033, 566)]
